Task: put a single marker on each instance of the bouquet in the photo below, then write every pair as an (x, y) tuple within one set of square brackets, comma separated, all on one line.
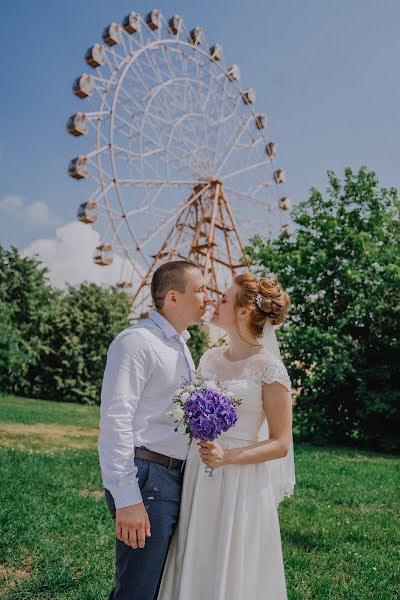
[(204, 408)]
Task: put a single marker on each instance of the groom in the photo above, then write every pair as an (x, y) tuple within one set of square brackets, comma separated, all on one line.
[(141, 456)]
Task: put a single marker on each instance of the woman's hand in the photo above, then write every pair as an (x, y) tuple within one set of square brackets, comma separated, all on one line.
[(211, 454)]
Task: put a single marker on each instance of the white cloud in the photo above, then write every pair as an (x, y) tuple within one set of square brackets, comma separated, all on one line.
[(36, 214), (68, 256)]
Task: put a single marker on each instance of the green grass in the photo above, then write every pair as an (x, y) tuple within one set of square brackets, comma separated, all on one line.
[(340, 531)]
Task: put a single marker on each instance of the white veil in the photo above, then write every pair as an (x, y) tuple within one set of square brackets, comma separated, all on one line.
[(282, 470)]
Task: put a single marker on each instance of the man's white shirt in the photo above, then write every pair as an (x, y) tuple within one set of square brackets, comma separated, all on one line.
[(145, 365)]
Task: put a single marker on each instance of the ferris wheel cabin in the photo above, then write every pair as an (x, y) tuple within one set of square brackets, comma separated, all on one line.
[(111, 35), (153, 19), (233, 73), (195, 36), (87, 212), (284, 203), (216, 52), (78, 168), (95, 56), (83, 86), (175, 24), (103, 255), (131, 23), (77, 124), (271, 148), (279, 176), (249, 96)]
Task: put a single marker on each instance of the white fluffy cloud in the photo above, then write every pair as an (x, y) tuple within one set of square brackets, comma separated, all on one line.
[(36, 214), (68, 256)]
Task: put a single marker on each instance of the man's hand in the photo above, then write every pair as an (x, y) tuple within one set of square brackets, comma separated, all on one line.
[(132, 525), (211, 454)]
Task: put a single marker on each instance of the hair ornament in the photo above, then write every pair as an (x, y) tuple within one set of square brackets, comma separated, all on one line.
[(259, 300)]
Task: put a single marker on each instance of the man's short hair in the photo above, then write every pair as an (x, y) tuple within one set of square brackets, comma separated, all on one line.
[(170, 276)]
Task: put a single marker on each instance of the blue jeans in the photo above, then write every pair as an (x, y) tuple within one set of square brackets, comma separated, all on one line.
[(138, 571)]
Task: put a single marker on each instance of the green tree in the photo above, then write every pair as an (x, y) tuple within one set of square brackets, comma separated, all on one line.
[(85, 321), (341, 338), (12, 358), (198, 342), (27, 299)]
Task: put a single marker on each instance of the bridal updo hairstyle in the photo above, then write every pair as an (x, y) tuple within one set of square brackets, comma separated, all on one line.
[(274, 304)]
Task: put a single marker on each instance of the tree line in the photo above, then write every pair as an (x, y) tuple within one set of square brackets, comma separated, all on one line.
[(340, 341)]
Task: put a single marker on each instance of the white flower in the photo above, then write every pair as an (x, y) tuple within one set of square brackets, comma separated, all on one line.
[(210, 384), (170, 413), (178, 413), (190, 388), (184, 397), (178, 391)]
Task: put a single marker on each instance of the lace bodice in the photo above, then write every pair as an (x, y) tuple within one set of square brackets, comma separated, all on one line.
[(245, 378)]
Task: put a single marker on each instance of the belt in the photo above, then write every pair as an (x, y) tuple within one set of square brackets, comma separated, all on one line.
[(161, 459)]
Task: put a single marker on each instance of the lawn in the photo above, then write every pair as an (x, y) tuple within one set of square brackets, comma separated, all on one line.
[(340, 531)]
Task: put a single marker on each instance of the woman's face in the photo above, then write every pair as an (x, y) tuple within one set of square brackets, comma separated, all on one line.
[(224, 315)]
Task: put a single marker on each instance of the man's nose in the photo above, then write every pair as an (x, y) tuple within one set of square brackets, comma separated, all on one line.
[(208, 298)]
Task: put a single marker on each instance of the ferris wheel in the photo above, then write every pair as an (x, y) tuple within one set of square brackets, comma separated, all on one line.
[(178, 162)]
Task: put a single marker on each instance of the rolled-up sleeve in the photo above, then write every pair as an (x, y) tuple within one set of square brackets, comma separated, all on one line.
[(128, 368)]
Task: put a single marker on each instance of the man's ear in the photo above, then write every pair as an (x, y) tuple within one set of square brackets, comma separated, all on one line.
[(171, 296)]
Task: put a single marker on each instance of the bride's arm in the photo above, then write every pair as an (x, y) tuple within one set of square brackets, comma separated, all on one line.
[(277, 404)]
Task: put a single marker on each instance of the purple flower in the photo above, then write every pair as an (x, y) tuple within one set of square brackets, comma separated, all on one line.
[(208, 413)]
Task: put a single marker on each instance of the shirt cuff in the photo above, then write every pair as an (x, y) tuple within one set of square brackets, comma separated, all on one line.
[(126, 495)]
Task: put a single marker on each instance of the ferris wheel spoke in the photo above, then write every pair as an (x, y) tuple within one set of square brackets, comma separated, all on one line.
[(118, 59), (172, 215), (171, 71), (225, 121), (97, 151), (148, 205), (101, 95), (136, 155), (188, 134), (221, 119), (248, 198), (244, 170), (149, 90), (129, 97), (236, 138), (94, 125), (155, 182), (156, 72), (101, 171), (103, 81)]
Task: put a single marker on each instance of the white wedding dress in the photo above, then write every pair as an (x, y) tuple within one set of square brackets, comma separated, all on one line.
[(227, 543)]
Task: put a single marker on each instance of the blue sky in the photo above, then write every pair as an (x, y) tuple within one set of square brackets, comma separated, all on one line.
[(326, 73)]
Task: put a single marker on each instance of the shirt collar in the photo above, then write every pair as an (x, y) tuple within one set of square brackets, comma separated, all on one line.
[(166, 326)]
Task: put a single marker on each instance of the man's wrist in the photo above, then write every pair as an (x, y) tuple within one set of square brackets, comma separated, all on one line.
[(126, 495)]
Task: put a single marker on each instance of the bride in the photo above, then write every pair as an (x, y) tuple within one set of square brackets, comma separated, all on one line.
[(227, 544)]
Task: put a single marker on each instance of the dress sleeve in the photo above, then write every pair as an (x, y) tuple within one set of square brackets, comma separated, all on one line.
[(203, 369), (276, 371)]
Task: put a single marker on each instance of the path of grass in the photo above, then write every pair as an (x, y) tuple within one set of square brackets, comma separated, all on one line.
[(340, 531)]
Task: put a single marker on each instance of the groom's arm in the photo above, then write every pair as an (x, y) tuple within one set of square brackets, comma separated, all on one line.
[(129, 366)]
